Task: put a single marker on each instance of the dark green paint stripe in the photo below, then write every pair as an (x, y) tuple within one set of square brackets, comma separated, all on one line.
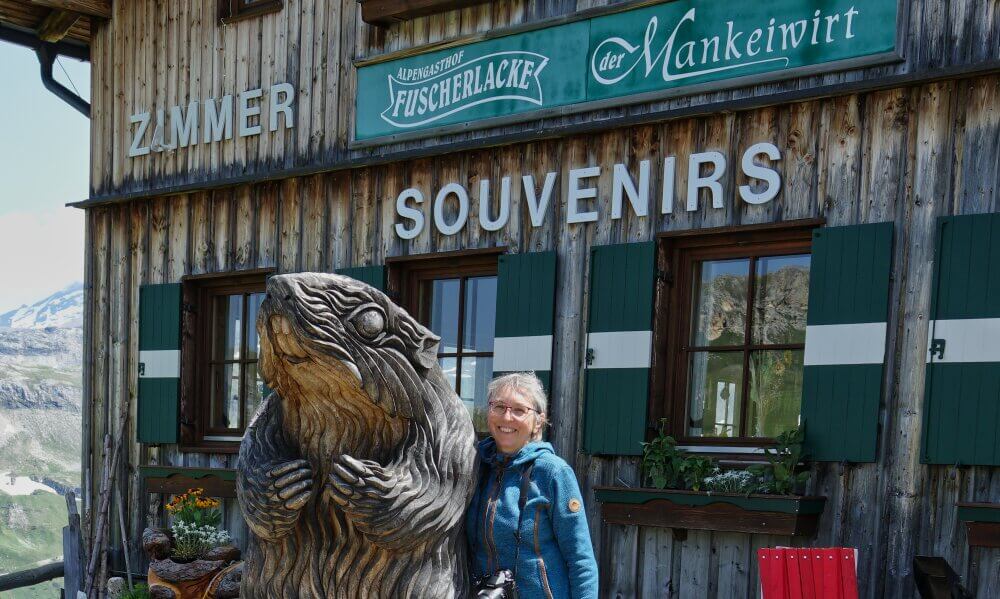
[(160, 317), (840, 409), (166, 472), (526, 288), (971, 513), (621, 287), (850, 274), (967, 282), (615, 411), (962, 414), (372, 275), (158, 410), (785, 505)]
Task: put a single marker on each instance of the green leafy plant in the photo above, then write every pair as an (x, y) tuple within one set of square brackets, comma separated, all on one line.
[(139, 591), (695, 469), (779, 475), (662, 461)]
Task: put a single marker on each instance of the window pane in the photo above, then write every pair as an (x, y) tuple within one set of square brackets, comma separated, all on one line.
[(720, 302), (775, 391), (476, 375), (781, 297), (480, 313), (444, 298), (225, 396), (228, 315), (254, 392), (253, 308), (450, 368), (715, 382)]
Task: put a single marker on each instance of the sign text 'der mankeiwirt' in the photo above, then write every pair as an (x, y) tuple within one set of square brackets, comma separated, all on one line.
[(638, 53), (705, 172)]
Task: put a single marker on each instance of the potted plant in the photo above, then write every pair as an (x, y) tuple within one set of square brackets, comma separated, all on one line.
[(194, 557), (687, 491)]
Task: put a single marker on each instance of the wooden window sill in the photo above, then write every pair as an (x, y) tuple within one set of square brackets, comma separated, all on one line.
[(387, 12), (786, 515)]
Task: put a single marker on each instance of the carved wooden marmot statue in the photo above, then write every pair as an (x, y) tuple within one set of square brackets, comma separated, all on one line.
[(356, 471)]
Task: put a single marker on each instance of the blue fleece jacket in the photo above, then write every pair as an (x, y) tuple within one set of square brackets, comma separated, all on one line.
[(556, 559)]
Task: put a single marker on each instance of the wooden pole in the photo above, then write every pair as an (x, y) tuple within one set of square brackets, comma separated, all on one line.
[(27, 578), (121, 527)]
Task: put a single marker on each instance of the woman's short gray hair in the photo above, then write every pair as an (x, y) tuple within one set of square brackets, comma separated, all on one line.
[(525, 383)]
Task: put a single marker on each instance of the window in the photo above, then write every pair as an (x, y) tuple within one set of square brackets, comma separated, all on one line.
[(223, 386), (736, 355), (455, 297), (234, 10)]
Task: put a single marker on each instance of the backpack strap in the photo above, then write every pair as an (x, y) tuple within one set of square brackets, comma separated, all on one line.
[(522, 500)]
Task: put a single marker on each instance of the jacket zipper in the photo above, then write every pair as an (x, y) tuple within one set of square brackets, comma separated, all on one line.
[(488, 518), (541, 562)]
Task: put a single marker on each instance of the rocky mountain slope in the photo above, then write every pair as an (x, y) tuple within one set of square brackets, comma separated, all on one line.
[(40, 409)]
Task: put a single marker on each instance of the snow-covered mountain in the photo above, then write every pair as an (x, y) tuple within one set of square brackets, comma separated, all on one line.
[(63, 309), (41, 395)]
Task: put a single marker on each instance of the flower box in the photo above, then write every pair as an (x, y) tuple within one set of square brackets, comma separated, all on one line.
[(787, 515), (982, 523)]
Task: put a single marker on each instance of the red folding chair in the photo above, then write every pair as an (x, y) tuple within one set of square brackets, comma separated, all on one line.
[(792, 573)]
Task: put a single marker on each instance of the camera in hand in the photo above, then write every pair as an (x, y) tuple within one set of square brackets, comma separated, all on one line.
[(499, 586)]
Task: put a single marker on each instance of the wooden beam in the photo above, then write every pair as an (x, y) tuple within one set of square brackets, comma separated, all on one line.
[(92, 8), (387, 12), (27, 578), (55, 26)]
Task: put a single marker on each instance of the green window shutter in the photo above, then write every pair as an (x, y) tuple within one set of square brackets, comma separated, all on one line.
[(619, 336), (525, 317), (962, 388), (373, 275), (159, 363), (845, 341)]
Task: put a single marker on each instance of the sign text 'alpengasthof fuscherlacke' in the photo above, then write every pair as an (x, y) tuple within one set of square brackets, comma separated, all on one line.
[(633, 55)]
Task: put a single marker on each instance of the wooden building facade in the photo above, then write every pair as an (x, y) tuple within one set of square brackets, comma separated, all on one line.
[(856, 203)]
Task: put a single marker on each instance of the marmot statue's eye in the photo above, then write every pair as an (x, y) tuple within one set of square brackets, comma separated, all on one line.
[(369, 323)]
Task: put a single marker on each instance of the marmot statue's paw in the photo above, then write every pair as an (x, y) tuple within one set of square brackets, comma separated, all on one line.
[(292, 484), (274, 497), (366, 491)]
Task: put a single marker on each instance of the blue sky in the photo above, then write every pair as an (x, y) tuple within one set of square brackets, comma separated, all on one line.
[(44, 161)]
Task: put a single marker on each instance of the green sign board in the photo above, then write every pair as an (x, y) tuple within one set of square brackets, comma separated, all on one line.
[(627, 56)]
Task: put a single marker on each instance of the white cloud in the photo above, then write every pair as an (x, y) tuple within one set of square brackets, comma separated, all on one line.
[(40, 252)]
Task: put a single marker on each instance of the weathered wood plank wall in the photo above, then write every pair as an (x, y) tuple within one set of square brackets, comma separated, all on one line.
[(154, 55), (907, 155)]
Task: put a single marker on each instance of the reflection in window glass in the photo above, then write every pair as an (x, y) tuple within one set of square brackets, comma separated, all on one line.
[(775, 391), (225, 396), (720, 302), (480, 313), (781, 297), (449, 366), (476, 375), (228, 316), (715, 383), (444, 312), (254, 392), (254, 301)]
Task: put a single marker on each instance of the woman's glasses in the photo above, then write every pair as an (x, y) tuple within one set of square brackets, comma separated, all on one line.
[(517, 412)]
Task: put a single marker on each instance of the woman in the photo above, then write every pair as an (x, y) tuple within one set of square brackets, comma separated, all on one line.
[(554, 558)]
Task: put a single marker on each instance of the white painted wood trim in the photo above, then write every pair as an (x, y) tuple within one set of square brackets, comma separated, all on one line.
[(845, 344), (621, 349), (966, 340), (160, 364), (520, 354)]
